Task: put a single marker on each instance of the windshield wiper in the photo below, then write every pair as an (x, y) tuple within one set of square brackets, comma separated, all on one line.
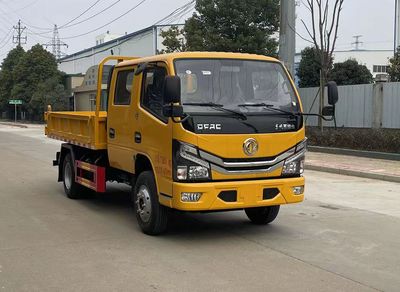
[(217, 106), (268, 106)]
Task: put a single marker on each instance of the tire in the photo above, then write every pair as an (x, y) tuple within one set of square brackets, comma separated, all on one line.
[(71, 188), (151, 216), (262, 215)]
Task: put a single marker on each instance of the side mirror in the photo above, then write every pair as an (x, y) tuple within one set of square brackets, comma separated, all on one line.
[(333, 95), (171, 95), (172, 90)]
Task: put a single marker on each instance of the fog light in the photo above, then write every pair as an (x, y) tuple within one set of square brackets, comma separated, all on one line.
[(190, 197), (298, 190), (181, 172)]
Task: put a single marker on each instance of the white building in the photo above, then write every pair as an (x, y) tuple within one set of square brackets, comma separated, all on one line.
[(106, 37), (145, 42), (376, 61)]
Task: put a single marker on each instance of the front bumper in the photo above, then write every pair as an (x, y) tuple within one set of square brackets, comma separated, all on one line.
[(249, 194)]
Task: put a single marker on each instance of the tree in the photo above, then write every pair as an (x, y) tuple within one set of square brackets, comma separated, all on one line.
[(48, 92), (173, 40), (33, 73), (394, 67), (309, 71), (350, 72), (323, 32), (7, 76), (247, 26)]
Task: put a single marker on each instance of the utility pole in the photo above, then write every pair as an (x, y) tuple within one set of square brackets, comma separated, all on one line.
[(357, 42), (396, 25), (19, 38), (56, 44), (287, 36)]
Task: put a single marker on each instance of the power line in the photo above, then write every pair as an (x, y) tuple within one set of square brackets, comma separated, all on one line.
[(103, 50), (18, 9), (104, 25), (6, 35), (183, 9), (6, 39), (86, 10), (7, 51), (67, 25), (175, 12), (94, 15)]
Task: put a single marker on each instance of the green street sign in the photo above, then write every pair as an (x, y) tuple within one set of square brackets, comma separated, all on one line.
[(15, 101)]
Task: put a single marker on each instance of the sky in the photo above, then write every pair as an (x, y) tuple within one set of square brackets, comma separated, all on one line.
[(373, 19)]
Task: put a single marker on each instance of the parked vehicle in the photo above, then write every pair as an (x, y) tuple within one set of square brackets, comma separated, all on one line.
[(195, 131)]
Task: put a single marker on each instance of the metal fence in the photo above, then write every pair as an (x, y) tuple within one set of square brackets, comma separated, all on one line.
[(391, 105), (359, 106)]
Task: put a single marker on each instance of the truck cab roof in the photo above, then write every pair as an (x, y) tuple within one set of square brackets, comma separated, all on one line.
[(188, 55)]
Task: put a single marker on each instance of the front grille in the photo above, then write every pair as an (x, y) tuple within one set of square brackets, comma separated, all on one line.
[(246, 165)]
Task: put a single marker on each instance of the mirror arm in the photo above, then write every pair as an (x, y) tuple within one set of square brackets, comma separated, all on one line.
[(318, 115), (182, 119)]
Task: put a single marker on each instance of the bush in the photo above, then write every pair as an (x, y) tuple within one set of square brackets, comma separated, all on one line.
[(382, 140)]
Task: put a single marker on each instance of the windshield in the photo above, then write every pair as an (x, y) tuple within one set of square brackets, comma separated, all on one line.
[(242, 85)]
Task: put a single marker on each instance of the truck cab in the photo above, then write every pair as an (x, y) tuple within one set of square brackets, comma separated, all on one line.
[(193, 131)]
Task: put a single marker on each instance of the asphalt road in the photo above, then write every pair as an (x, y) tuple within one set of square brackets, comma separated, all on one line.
[(345, 236)]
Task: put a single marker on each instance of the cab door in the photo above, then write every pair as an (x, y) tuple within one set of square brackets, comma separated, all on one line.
[(155, 128), (121, 122)]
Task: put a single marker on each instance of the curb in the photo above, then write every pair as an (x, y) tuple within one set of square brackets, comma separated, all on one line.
[(349, 172), (14, 125), (352, 152)]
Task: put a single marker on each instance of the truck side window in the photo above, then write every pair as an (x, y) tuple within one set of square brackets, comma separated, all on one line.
[(123, 87), (153, 82)]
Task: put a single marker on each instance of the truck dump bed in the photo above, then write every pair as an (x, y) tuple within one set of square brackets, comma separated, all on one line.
[(78, 128), (85, 129)]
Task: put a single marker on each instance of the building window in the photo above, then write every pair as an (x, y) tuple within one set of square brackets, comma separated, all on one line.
[(123, 87), (380, 69), (92, 101)]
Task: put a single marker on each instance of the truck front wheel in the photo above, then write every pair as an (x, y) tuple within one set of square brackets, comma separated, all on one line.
[(151, 216), (262, 215), (71, 188)]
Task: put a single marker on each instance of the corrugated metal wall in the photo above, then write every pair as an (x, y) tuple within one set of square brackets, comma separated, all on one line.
[(356, 108), (391, 105)]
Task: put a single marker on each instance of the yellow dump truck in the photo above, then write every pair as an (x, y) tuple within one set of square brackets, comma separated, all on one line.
[(194, 131)]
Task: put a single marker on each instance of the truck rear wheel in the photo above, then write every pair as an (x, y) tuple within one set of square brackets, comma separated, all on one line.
[(151, 216), (71, 188), (262, 215)]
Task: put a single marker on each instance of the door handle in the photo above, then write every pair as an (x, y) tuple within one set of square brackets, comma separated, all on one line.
[(111, 133), (138, 137)]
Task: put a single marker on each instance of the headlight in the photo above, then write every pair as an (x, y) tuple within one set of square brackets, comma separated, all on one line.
[(294, 165), (188, 165)]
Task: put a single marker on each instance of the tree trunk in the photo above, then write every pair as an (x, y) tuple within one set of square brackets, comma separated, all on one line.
[(321, 98)]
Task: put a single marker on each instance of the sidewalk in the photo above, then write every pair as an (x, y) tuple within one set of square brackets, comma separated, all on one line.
[(388, 170), (20, 125)]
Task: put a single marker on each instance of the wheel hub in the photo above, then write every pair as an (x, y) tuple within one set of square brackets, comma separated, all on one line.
[(68, 176), (143, 203)]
